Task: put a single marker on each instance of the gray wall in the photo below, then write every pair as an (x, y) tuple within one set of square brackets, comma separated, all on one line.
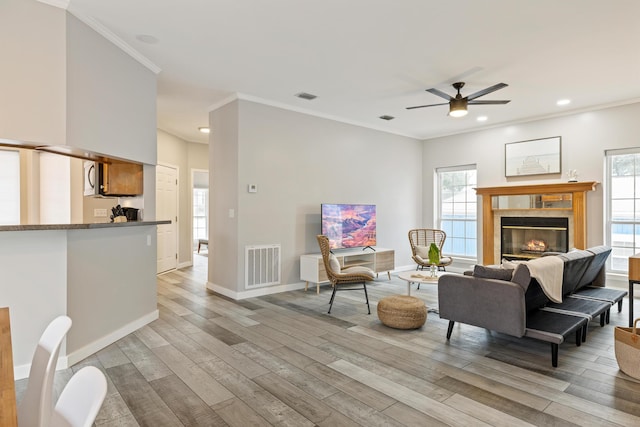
[(223, 196), (111, 97), (176, 152), (123, 280), (585, 137), (298, 162), (33, 84)]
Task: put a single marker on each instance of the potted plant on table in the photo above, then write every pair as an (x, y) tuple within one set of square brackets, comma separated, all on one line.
[(434, 258)]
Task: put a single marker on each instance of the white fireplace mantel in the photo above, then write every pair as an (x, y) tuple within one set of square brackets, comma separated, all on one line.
[(577, 190)]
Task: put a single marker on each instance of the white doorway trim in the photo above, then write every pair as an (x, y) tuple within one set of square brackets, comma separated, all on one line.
[(175, 220)]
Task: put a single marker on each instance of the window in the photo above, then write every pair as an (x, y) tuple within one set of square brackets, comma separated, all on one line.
[(10, 188), (200, 214), (457, 208), (623, 207)]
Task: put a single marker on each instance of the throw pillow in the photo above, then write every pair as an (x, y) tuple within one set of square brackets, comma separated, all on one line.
[(334, 264), (511, 264), (422, 252), (492, 273)]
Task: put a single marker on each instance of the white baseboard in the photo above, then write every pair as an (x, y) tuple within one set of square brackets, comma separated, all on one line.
[(109, 339), (185, 264), (268, 290), (67, 360)]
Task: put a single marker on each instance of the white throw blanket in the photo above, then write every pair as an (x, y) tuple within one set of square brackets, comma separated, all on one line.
[(547, 270)]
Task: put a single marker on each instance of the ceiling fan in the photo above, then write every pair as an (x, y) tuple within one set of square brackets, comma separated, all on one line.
[(458, 104)]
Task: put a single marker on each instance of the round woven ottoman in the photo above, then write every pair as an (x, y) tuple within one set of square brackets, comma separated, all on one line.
[(402, 312)]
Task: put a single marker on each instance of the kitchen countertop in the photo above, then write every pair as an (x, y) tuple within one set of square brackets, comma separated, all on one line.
[(88, 226)]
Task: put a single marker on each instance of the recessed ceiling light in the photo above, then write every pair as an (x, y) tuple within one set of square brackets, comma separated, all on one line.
[(204, 129), (482, 118), (146, 38), (305, 95), (385, 117), (563, 102)]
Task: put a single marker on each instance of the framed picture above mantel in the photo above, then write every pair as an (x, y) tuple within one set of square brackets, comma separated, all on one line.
[(533, 157)]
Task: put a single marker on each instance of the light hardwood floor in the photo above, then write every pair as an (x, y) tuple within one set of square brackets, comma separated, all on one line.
[(281, 360)]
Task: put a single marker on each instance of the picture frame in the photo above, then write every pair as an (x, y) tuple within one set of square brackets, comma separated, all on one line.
[(533, 157)]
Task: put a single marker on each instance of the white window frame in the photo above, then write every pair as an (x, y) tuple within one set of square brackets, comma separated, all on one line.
[(195, 218), (469, 236), (621, 250), (10, 191)]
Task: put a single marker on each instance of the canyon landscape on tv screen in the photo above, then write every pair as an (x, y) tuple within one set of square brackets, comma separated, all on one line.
[(349, 226)]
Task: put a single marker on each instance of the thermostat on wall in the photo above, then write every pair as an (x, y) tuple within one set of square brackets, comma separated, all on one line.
[(252, 188)]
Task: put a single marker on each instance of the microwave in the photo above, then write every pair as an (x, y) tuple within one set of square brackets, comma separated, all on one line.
[(90, 188), (113, 179)]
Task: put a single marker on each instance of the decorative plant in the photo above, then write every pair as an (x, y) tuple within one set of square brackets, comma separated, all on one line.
[(434, 254)]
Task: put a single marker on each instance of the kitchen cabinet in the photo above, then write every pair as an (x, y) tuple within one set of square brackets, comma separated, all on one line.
[(120, 179)]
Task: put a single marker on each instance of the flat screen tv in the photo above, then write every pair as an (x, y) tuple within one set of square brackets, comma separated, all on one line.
[(349, 226)]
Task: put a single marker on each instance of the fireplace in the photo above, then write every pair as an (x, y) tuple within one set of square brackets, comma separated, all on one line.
[(576, 211), (531, 237)]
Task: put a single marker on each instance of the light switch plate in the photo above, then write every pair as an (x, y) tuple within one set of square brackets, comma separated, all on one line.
[(252, 188)]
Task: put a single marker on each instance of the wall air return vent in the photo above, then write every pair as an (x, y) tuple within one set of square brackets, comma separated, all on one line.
[(262, 265)]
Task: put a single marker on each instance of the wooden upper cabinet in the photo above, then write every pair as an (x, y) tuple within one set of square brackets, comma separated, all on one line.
[(121, 179)]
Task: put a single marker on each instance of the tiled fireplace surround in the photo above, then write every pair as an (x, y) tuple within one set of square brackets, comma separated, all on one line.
[(491, 217)]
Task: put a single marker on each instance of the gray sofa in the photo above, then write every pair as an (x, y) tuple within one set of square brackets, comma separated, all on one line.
[(517, 305)]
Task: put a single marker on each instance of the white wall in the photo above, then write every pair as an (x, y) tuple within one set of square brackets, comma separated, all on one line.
[(298, 162), (585, 137)]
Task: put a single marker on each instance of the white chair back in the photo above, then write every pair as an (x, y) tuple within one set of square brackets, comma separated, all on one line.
[(36, 405), (81, 399)]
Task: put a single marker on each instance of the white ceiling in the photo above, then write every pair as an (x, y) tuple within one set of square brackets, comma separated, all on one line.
[(367, 58)]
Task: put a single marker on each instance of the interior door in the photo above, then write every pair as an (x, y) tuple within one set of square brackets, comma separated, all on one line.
[(167, 208)]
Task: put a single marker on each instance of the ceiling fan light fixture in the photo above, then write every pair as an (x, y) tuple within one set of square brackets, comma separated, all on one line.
[(458, 107)]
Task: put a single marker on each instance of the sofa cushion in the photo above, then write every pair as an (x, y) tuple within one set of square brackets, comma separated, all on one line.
[(595, 274), (484, 272), (521, 276), (576, 263)]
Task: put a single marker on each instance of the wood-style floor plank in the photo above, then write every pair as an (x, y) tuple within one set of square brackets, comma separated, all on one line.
[(281, 360), (264, 403), (143, 402)]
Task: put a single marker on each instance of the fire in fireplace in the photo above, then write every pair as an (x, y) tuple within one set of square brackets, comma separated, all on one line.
[(535, 245), (531, 237)]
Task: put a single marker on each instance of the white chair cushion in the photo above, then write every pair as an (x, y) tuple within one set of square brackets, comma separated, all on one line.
[(422, 252), (334, 264), (358, 269)]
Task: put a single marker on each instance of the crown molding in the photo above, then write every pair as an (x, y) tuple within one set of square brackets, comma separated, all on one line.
[(104, 32), (283, 106), (229, 99), (62, 4)]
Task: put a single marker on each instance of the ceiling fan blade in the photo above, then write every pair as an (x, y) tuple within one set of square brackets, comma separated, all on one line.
[(488, 102), (430, 105), (486, 91), (440, 93)]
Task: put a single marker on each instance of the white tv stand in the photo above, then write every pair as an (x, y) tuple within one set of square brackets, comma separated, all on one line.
[(312, 266)]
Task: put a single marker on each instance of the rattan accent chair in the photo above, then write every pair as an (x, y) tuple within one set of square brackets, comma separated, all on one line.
[(420, 240), (342, 279)]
